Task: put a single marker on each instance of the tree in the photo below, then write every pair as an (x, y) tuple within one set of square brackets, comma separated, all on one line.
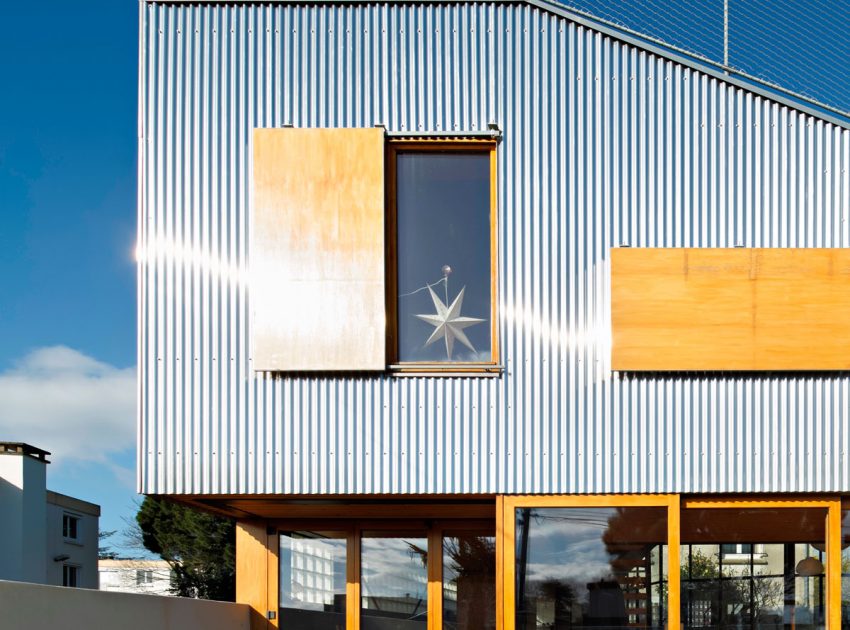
[(199, 547), (104, 552)]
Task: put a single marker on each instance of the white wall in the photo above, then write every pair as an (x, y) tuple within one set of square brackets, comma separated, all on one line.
[(23, 518), (121, 576), (38, 607), (81, 552)]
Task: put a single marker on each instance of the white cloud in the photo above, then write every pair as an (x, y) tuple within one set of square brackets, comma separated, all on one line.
[(68, 403)]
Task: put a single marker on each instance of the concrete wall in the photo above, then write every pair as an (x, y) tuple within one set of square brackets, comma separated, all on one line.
[(23, 518), (38, 607)]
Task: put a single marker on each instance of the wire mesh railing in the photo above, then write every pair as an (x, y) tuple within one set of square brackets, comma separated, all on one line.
[(801, 48)]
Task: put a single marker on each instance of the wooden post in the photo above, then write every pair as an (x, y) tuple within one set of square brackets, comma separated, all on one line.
[(252, 570)]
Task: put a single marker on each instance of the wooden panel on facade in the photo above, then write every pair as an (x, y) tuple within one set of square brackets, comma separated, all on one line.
[(730, 309), (317, 252)]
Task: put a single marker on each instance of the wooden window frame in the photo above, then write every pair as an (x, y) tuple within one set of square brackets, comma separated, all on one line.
[(432, 530), (440, 145), (506, 543)]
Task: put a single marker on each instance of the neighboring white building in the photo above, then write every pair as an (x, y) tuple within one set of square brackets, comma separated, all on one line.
[(151, 577), (45, 537)]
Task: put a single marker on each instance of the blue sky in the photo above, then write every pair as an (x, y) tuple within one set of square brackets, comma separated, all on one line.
[(68, 197), (67, 230)]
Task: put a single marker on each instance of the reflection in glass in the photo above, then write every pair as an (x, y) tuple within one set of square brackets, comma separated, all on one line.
[(443, 216), (312, 580), (394, 582), (469, 582), (741, 568), (591, 567), (845, 567)]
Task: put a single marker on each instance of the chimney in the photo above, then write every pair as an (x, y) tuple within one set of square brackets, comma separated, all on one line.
[(23, 512)]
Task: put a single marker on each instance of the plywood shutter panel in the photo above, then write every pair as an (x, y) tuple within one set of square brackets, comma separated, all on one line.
[(317, 250), (730, 309)]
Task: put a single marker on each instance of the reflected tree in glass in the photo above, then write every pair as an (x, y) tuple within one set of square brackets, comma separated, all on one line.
[(591, 567), (469, 582)]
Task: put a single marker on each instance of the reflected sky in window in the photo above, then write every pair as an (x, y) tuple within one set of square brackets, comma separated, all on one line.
[(443, 220), (394, 577), (582, 567)]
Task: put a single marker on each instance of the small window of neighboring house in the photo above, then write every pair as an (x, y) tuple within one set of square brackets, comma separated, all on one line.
[(444, 215), (70, 527), (144, 576), (70, 575)]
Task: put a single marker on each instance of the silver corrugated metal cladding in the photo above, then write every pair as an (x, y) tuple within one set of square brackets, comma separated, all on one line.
[(604, 144)]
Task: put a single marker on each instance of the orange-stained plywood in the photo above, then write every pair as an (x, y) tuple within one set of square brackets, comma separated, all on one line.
[(252, 578), (317, 250), (730, 309)]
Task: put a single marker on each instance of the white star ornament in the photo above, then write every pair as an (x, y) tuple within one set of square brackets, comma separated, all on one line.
[(448, 322)]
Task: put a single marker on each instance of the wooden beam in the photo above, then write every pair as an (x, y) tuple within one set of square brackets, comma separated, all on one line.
[(730, 309)]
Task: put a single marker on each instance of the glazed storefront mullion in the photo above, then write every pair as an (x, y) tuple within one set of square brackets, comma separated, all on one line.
[(574, 561)]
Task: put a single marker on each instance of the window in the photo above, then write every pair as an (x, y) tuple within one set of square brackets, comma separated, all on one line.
[(394, 265), (70, 527), (388, 574), (394, 581), (313, 579), (591, 566), (779, 580), (70, 575), (444, 253), (469, 582), (144, 576)]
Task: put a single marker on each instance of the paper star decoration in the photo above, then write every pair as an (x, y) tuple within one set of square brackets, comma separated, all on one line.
[(448, 322)]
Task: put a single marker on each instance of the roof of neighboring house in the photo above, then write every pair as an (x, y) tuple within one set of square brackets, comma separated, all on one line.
[(133, 563), (775, 93), (71, 503)]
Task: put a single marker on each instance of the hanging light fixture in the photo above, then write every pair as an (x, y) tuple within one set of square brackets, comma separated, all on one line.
[(809, 567)]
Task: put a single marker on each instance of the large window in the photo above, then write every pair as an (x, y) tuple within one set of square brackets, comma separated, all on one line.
[(444, 253), (399, 574), (393, 581), (313, 580), (754, 568), (591, 567), (469, 581)]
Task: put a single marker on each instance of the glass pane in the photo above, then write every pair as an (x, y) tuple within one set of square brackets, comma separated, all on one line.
[(845, 567), (753, 568), (394, 582), (469, 582), (312, 580), (443, 213), (591, 567)]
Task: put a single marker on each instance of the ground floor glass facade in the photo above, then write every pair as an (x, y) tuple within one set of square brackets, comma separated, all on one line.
[(572, 562)]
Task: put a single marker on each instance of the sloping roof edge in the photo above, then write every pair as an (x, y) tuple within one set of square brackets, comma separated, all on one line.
[(777, 94)]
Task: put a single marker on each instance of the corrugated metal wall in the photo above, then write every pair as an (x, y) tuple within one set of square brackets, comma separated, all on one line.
[(604, 144)]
